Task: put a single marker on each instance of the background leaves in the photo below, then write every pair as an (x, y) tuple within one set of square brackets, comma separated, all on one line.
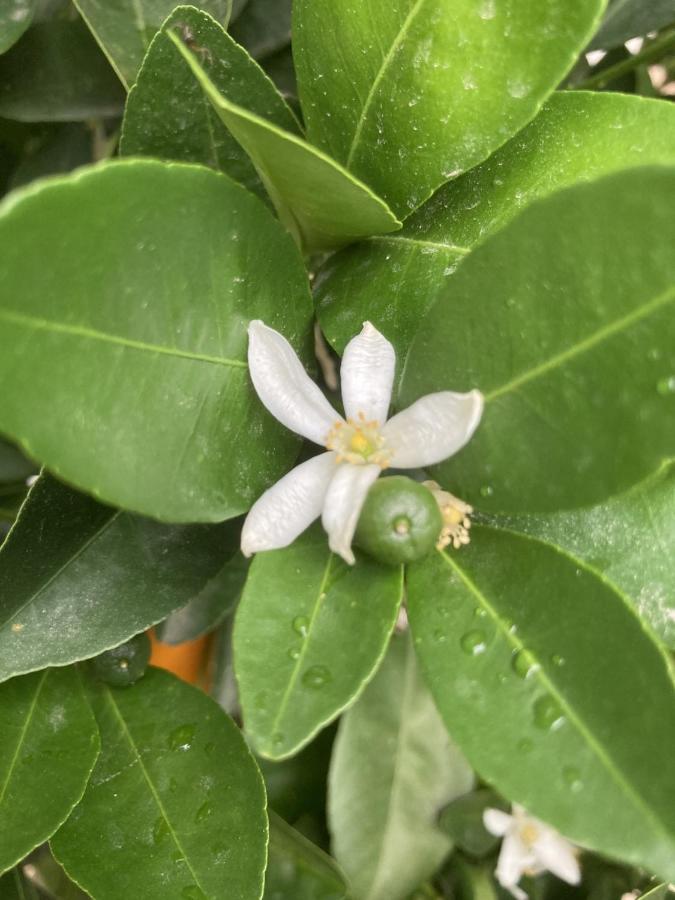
[(514, 691), (175, 807), (48, 749), (296, 659), (77, 578), (135, 336), (15, 17), (573, 353)]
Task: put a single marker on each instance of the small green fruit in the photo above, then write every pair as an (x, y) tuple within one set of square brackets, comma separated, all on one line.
[(400, 521), (125, 664)]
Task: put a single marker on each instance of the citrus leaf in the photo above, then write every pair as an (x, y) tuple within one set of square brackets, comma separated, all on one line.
[(296, 660), (168, 116), (393, 280), (393, 769), (48, 749), (515, 634), (264, 27), (412, 93), (319, 202), (632, 18), (298, 869), (15, 17), (574, 354), (143, 315), (175, 808), (77, 578)]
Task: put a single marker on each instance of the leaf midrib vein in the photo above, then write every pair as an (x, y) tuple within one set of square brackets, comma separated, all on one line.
[(583, 346), (419, 242), (151, 786), (93, 334), (587, 735), (395, 44), (22, 736)]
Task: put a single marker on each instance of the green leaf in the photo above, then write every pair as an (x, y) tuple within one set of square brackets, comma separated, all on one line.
[(393, 769), (575, 354), (125, 28), (632, 18), (59, 149), (210, 606), (14, 467), (319, 202), (168, 116), (264, 27), (296, 659), (58, 74), (659, 892), (462, 821), (298, 869), (296, 787), (511, 635), (77, 578), (175, 807), (627, 539), (15, 17), (143, 313), (410, 94), (48, 749), (15, 886), (576, 137)]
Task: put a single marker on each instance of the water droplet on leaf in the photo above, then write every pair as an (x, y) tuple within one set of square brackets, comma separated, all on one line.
[(524, 664), (473, 642), (301, 625), (316, 677), (547, 713), (204, 811), (181, 738)]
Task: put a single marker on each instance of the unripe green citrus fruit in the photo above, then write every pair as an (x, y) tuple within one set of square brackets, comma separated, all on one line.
[(125, 664), (400, 521)]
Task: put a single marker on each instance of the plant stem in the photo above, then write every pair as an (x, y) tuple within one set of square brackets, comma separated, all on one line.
[(652, 51)]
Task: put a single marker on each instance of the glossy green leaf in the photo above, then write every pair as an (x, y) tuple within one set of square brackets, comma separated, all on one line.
[(299, 870), (125, 28), (15, 17), (393, 280), (628, 539), (574, 352), (210, 606), (393, 769), (319, 202), (550, 684), (167, 115), (462, 821), (631, 18), (58, 74), (143, 313), (264, 27), (48, 749), (410, 94), (175, 809), (77, 578), (296, 659), (15, 886)]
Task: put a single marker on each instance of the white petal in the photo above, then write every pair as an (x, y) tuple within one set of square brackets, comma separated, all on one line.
[(514, 858), (497, 821), (557, 855), (367, 375), (344, 499), (284, 387), (289, 506), (433, 428)]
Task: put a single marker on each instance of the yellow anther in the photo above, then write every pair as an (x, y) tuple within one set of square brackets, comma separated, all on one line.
[(360, 443)]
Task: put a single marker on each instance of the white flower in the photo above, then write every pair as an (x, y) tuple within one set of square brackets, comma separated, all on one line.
[(530, 847), (334, 485)]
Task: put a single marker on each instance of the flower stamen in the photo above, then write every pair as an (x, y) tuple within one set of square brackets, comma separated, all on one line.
[(456, 517), (358, 441)]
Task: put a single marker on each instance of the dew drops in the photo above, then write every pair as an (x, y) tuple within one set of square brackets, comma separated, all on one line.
[(173, 785), (440, 636), (294, 653), (277, 739), (480, 613), (486, 490), (572, 778), (558, 660), (666, 386), (181, 738), (316, 677), (204, 811), (192, 892), (177, 857), (524, 664), (517, 89), (161, 830), (301, 625), (487, 10), (474, 642), (547, 713)]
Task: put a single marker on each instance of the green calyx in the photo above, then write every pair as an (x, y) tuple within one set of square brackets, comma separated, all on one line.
[(400, 521)]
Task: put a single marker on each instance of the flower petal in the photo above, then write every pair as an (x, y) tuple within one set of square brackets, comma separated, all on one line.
[(557, 855), (514, 858), (342, 507), (289, 506), (367, 375), (496, 821), (284, 387), (433, 428)]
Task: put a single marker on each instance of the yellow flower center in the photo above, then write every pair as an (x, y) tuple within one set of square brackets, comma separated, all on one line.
[(359, 442), (529, 834), (456, 517)]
